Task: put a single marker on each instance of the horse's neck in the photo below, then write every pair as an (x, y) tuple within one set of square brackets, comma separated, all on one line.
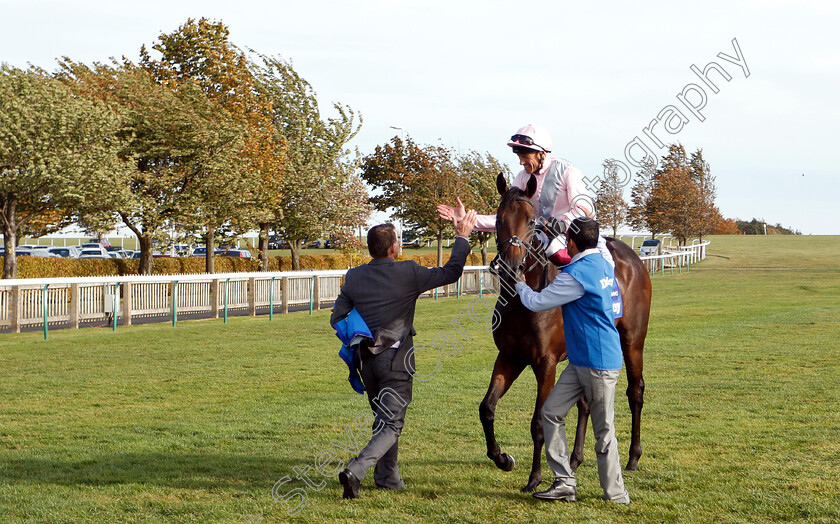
[(540, 277)]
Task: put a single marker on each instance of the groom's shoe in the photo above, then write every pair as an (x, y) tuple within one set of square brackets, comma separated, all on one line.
[(558, 491), (351, 484)]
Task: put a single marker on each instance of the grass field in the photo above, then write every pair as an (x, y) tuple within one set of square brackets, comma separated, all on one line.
[(197, 423)]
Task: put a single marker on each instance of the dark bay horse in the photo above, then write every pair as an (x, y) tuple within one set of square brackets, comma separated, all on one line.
[(525, 338)]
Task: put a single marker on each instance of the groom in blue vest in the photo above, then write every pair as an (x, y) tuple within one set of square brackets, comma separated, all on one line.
[(583, 288)]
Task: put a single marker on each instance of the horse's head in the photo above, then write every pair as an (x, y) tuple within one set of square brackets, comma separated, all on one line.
[(515, 220)]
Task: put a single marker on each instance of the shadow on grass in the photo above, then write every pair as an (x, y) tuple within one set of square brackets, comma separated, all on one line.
[(174, 470)]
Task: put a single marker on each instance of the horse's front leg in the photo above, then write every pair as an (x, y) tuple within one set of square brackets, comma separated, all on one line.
[(580, 434), (544, 371), (505, 372)]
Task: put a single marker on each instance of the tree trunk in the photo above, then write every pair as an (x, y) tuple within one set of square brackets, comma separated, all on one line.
[(483, 239), (209, 257), (263, 246), (294, 246), (10, 240), (440, 248), (146, 259)]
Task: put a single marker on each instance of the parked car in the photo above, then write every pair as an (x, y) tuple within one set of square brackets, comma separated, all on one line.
[(94, 253), (314, 244), (179, 250), (43, 253), (33, 251), (276, 242), (241, 253), (63, 252), (333, 243), (649, 247), (200, 251), (116, 252)]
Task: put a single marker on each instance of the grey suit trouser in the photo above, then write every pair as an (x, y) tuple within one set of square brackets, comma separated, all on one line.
[(598, 387), (389, 393)]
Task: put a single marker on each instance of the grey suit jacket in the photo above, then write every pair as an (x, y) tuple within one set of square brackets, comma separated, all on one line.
[(384, 292)]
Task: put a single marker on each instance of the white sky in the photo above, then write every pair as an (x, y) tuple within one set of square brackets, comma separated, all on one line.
[(469, 73)]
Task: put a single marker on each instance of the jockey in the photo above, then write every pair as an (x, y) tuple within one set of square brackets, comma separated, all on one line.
[(561, 194)]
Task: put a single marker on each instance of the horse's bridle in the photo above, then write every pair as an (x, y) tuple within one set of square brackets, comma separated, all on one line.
[(513, 241)]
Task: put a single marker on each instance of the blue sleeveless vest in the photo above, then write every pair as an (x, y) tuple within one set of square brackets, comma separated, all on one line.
[(591, 337)]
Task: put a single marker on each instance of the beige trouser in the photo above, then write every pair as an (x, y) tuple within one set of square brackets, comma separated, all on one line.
[(599, 388)]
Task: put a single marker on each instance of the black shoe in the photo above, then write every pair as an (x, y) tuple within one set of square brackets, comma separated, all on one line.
[(558, 491), (351, 484)]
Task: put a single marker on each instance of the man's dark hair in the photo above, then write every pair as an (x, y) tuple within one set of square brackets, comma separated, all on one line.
[(380, 238), (584, 231)]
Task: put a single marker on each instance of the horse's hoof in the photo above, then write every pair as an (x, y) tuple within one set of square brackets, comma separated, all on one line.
[(531, 486), (633, 460), (508, 462)]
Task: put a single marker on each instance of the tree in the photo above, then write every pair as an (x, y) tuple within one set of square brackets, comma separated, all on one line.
[(175, 141), (639, 216), (609, 199), (727, 226), (481, 172), (57, 153), (708, 215), (229, 196), (412, 181), (678, 197), (318, 195), (675, 200)]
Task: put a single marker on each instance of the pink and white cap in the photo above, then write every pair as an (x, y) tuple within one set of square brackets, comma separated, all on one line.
[(531, 136)]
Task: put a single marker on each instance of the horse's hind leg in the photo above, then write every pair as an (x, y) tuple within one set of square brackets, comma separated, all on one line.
[(545, 383), (635, 396), (504, 373), (580, 434)]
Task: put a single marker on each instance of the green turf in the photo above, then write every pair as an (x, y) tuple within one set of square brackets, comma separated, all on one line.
[(196, 423)]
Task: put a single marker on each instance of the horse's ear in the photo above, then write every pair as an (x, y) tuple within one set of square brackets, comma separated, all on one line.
[(531, 188), (501, 184)]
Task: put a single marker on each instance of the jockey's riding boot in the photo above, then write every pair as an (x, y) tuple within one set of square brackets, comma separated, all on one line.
[(553, 238)]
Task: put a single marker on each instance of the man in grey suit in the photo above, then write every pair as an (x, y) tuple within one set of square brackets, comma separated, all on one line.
[(384, 293)]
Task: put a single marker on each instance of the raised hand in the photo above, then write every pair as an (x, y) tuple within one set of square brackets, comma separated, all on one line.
[(464, 226), (451, 213)]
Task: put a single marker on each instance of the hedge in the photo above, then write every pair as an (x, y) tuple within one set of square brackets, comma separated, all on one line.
[(43, 267)]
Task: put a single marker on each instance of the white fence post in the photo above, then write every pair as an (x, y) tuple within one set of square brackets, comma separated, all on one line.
[(214, 298), (285, 298), (75, 305), (252, 296), (14, 309), (126, 290)]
